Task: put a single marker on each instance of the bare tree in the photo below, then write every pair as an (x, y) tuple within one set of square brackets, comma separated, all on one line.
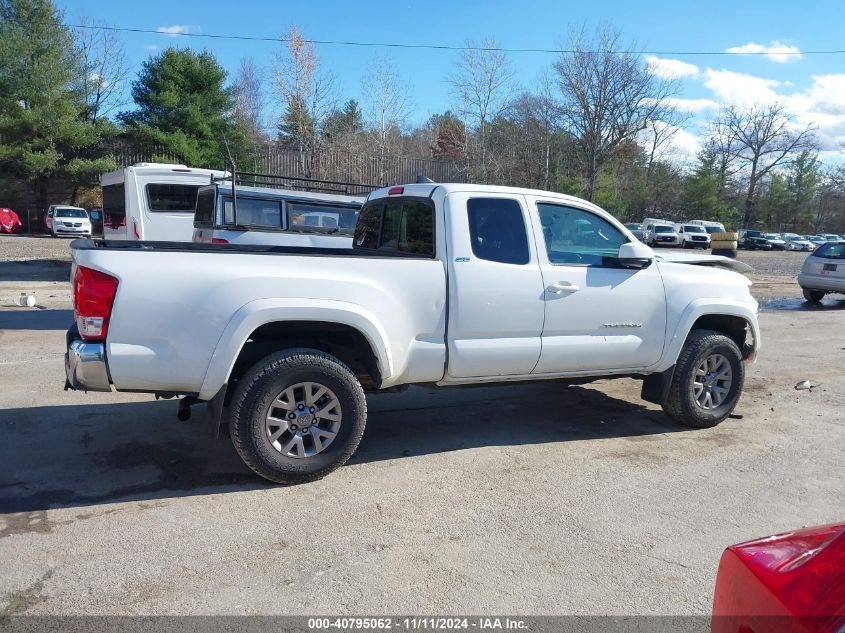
[(105, 69), (306, 92), (248, 93), (481, 82), (608, 95), (762, 137), (386, 105)]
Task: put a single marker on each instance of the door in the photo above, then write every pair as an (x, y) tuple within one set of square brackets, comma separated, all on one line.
[(598, 315), (495, 287)]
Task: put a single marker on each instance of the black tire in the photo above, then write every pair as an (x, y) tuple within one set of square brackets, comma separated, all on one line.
[(813, 296), (266, 381), (681, 404), (725, 252)]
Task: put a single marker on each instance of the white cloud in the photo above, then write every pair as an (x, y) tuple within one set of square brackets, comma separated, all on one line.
[(777, 52), (177, 29), (682, 147), (740, 88), (693, 105), (670, 68)]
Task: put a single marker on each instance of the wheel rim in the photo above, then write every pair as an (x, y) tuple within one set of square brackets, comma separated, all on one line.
[(303, 420), (712, 381)]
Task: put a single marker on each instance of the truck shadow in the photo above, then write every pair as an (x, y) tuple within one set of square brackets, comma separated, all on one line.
[(83, 455), (33, 319), (35, 270)]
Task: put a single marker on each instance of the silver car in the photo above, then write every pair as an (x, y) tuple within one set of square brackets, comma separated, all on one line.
[(823, 272), (797, 243)]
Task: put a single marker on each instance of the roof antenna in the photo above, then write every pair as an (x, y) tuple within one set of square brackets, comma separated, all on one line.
[(421, 180), (234, 178)]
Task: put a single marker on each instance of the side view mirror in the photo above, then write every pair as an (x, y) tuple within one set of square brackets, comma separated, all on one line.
[(635, 255)]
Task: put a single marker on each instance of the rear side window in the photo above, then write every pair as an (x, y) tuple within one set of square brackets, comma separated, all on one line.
[(404, 225), (253, 212), (334, 219), (170, 198), (831, 251), (204, 215), (497, 230)]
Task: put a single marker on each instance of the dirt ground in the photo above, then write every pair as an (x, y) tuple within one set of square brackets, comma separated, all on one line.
[(599, 504)]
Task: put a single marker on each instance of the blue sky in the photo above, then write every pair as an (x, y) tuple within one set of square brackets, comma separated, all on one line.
[(811, 85)]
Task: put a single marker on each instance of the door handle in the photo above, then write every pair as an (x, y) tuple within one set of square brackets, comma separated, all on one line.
[(562, 287)]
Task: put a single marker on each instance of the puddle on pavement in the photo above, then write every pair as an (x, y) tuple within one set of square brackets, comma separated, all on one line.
[(791, 303)]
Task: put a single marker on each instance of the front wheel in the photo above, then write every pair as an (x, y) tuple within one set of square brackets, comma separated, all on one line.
[(297, 415), (707, 382)]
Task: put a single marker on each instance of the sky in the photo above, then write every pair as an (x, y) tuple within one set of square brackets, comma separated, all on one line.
[(784, 34)]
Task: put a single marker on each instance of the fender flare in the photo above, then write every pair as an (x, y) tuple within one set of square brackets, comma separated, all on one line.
[(706, 307), (254, 314)]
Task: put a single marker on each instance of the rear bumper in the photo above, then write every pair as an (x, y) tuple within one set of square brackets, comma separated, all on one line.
[(85, 366), (821, 282)]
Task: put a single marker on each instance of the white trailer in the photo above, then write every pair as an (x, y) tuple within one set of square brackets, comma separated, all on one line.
[(152, 201)]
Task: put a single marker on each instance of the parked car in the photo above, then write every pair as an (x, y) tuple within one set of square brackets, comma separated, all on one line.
[(753, 240), (636, 230), (815, 240), (152, 201), (831, 237), (445, 284), (710, 227), (51, 210), (823, 272), (662, 235), (693, 236), (271, 216), (797, 243), (774, 239), (787, 583), (70, 221), (9, 221)]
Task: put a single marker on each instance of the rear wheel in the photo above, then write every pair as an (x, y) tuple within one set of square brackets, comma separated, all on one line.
[(297, 415), (707, 382), (813, 296)]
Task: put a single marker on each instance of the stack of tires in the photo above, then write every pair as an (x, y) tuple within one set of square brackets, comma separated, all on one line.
[(723, 244)]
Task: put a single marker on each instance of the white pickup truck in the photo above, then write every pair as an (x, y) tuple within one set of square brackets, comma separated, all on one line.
[(446, 284)]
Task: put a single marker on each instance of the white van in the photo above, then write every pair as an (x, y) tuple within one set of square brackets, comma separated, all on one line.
[(710, 227), (152, 201), (275, 217)]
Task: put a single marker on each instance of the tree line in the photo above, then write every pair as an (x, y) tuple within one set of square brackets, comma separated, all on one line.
[(597, 123)]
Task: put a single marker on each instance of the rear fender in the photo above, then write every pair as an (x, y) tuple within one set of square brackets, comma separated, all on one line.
[(263, 311)]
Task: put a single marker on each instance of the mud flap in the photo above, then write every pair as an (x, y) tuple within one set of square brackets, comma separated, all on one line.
[(656, 386), (214, 412)]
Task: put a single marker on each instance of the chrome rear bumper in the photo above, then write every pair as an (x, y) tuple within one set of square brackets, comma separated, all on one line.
[(85, 366)]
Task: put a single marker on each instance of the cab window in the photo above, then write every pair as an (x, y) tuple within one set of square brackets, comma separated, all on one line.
[(253, 212), (497, 230), (575, 236)]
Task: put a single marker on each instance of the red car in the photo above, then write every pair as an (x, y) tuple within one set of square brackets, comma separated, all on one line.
[(9, 221), (788, 583)]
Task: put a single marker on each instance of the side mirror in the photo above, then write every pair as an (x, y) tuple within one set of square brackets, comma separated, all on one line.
[(635, 255)]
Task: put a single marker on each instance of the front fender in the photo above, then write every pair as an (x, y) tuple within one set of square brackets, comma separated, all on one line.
[(706, 307), (262, 311)]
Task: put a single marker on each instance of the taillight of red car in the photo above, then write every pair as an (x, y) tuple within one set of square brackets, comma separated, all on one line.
[(784, 583), (93, 297)]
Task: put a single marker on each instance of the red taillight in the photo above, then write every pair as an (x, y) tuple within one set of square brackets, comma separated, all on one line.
[(93, 296), (396, 191), (219, 240), (135, 230), (789, 582)]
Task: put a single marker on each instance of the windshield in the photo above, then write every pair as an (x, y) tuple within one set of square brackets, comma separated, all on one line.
[(663, 229), (771, 236), (692, 228), (70, 213)]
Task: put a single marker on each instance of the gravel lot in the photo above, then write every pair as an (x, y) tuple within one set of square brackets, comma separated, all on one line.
[(598, 504)]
